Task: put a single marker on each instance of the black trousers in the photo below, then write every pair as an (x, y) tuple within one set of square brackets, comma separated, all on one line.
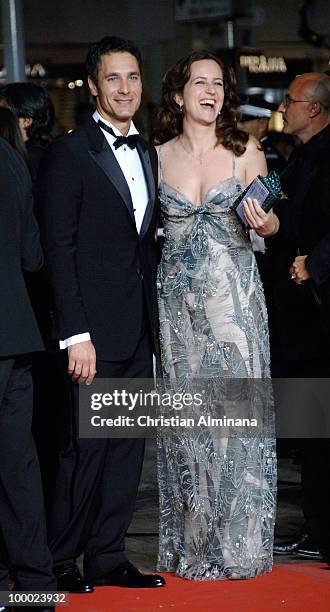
[(97, 484), (51, 410), (315, 457), (23, 545)]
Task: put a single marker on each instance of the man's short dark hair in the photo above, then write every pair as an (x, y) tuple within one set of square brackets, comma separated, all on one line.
[(108, 44)]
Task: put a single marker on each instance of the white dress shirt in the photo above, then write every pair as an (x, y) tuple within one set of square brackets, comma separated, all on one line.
[(131, 166)]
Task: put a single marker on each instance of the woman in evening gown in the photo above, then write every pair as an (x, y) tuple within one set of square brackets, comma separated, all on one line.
[(217, 492)]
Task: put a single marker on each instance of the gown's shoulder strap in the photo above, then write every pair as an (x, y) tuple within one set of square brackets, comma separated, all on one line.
[(233, 167), (160, 164)]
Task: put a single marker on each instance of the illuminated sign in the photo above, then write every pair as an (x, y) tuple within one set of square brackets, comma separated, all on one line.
[(262, 64)]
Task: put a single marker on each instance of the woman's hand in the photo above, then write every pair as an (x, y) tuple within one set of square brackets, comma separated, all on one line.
[(265, 224)]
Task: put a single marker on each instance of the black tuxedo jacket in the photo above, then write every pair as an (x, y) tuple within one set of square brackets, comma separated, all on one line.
[(300, 314), (20, 250), (101, 270)]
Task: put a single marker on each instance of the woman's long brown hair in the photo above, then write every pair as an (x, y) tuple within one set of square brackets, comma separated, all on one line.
[(169, 118)]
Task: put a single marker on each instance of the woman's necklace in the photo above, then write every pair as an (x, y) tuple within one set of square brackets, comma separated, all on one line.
[(200, 158)]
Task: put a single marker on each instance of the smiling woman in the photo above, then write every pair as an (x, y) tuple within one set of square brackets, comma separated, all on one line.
[(214, 486), (170, 117)]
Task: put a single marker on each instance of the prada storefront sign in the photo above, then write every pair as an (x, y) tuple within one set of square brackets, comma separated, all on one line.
[(262, 64), (277, 71)]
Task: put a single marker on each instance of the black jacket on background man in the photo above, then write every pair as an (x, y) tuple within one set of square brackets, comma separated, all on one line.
[(23, 548), (299, 324), (20, 250)]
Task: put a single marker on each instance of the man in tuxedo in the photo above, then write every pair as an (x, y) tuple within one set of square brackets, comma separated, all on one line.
[(23, 543), (99, 214), (300, 301)]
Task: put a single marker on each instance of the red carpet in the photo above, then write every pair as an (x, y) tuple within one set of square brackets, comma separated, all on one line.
[(291, 588)]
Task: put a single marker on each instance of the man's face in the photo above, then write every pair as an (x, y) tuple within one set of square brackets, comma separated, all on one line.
[(118, 89), (296, 109)]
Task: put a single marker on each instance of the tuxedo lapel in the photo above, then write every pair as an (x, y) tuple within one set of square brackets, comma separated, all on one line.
[(146, 164), (102, 154)]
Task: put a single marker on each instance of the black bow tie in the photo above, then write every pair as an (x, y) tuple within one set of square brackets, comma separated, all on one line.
[(130, 141)]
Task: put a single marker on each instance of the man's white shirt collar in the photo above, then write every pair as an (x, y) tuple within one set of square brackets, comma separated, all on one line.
[(132, 129)]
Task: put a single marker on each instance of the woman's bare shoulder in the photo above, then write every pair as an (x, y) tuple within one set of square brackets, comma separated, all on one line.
[(254, 151), (253, 147), (253, 159), (167, 149)]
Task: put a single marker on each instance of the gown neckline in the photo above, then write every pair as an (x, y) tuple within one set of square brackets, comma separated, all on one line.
[(162, 182)]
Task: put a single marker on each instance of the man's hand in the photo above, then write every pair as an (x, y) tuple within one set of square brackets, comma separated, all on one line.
[(298, 271), (265, 224), (82, 362)]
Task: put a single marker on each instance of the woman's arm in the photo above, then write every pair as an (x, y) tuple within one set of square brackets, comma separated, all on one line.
[(265, 224), (255, 160)]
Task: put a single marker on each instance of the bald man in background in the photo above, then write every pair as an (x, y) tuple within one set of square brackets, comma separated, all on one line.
[(300, 322)]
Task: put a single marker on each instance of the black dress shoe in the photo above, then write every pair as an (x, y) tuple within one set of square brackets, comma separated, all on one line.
[(126, 575), (70, 579), (309, 550), (290, 547)]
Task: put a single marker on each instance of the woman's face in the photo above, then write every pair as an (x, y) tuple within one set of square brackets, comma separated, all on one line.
[(203, 94)]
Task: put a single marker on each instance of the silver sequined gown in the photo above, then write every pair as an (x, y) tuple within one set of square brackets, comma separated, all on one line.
[(217, 494)]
